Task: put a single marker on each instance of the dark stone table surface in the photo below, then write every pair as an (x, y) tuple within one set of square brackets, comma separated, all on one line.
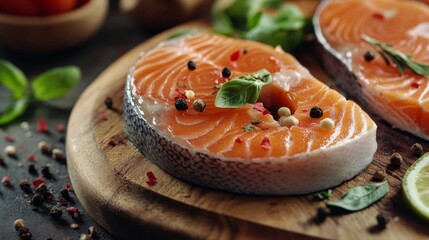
[(117, 36)]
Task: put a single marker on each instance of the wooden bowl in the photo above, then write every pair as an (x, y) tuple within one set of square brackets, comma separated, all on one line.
[(52, 33)]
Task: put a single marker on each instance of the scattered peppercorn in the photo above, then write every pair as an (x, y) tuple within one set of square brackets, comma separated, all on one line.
[(396, 160), (24, 233), (92, 232), (55, 212), (64, 193), (46, 172), (5, 181), (199, 105), (32, 169), (369, 56), (108, 102), (322, 214), (38, 181), (57, 154), (25, 186), (37, 199), (60, 128), (44, 147), (181, 104), (18, 224), (42, 126), (327, 123), (85, 237), (417, 149), (73, 212), (316, 112), (226, 72), (104, 117), (192, 65), (8, 138), (382, 220), (245, 51), (74, 226), (41, 188), (379, 175), (31, 158), (10, 151), (2, 163)]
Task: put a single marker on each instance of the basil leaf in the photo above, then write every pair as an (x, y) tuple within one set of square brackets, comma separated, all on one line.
[(242, 90), (13, 78), (14, 110), (55, 83), (360, 197)]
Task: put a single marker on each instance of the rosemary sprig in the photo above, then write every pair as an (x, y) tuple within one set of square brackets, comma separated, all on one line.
[(402, 61)]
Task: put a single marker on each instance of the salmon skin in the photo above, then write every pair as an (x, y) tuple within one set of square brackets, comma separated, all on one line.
[(244, 149), (400, 99)]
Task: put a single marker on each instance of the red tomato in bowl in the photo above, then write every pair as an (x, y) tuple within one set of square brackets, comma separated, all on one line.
[(53, 7), (19, 7)]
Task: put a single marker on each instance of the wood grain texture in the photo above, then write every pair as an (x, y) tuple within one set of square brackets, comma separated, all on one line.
[(110, 181)]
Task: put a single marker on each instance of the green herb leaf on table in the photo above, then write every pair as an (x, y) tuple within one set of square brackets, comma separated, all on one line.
[(49, 85), (251, 20), (360, 197), (241, 90), (401, 60), (55, 83), (13, 78)]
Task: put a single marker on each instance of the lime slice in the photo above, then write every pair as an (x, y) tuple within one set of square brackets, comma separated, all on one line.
[(415, 186)]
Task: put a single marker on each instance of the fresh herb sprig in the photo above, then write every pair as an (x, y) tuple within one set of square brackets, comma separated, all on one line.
[(241, 90), (402, 61), (250, 19), (49, 85)]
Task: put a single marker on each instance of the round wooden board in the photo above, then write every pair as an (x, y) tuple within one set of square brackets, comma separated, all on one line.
[(110, 181)]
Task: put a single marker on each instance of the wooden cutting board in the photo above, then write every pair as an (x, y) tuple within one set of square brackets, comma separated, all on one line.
[(110, 181)]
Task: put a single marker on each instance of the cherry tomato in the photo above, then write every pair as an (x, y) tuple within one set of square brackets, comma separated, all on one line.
[(19, 7), (52, 7)]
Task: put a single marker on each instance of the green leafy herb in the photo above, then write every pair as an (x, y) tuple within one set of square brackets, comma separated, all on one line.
[(324, 195), (249, 128), (250, 19), (255, 121), (241, 90), (49, 85), (402, 61), (360, 197)]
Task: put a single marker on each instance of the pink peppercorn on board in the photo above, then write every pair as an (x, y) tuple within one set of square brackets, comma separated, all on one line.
[(131, 197)]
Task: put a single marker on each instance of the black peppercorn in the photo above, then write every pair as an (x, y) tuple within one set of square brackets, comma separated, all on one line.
[(65, 194), (46, 172), (199, 105), (2, 161), (32, 169), (316, 112), (42, 189), (382, 220), (108, 102), (37, 199), (55, 212), (417, 149), (322, 213), (181, 104), (25, 187), (226, 72), (192, 65), (395, 161), (24, 233), (368, 56)]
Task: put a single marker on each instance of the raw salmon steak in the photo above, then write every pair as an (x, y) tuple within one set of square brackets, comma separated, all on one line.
[(244, 149), (400, 98)]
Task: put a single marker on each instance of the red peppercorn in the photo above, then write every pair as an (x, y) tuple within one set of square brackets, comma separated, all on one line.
[(112, 143), (238, 140), (5, 180), (31, 158), (151, 182), (60, 128), (38, 181), (68, 187), (265, 144), (42, 126), (150, 175), (235, 55), (103, 117), (378, 15), (415, 85), (8, 138)]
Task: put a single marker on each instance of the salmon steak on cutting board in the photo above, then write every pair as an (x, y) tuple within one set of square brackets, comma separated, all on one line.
[(244, 149), (399, 97)]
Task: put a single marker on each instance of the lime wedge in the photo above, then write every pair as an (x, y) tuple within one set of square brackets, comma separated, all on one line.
[(415, 186)]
